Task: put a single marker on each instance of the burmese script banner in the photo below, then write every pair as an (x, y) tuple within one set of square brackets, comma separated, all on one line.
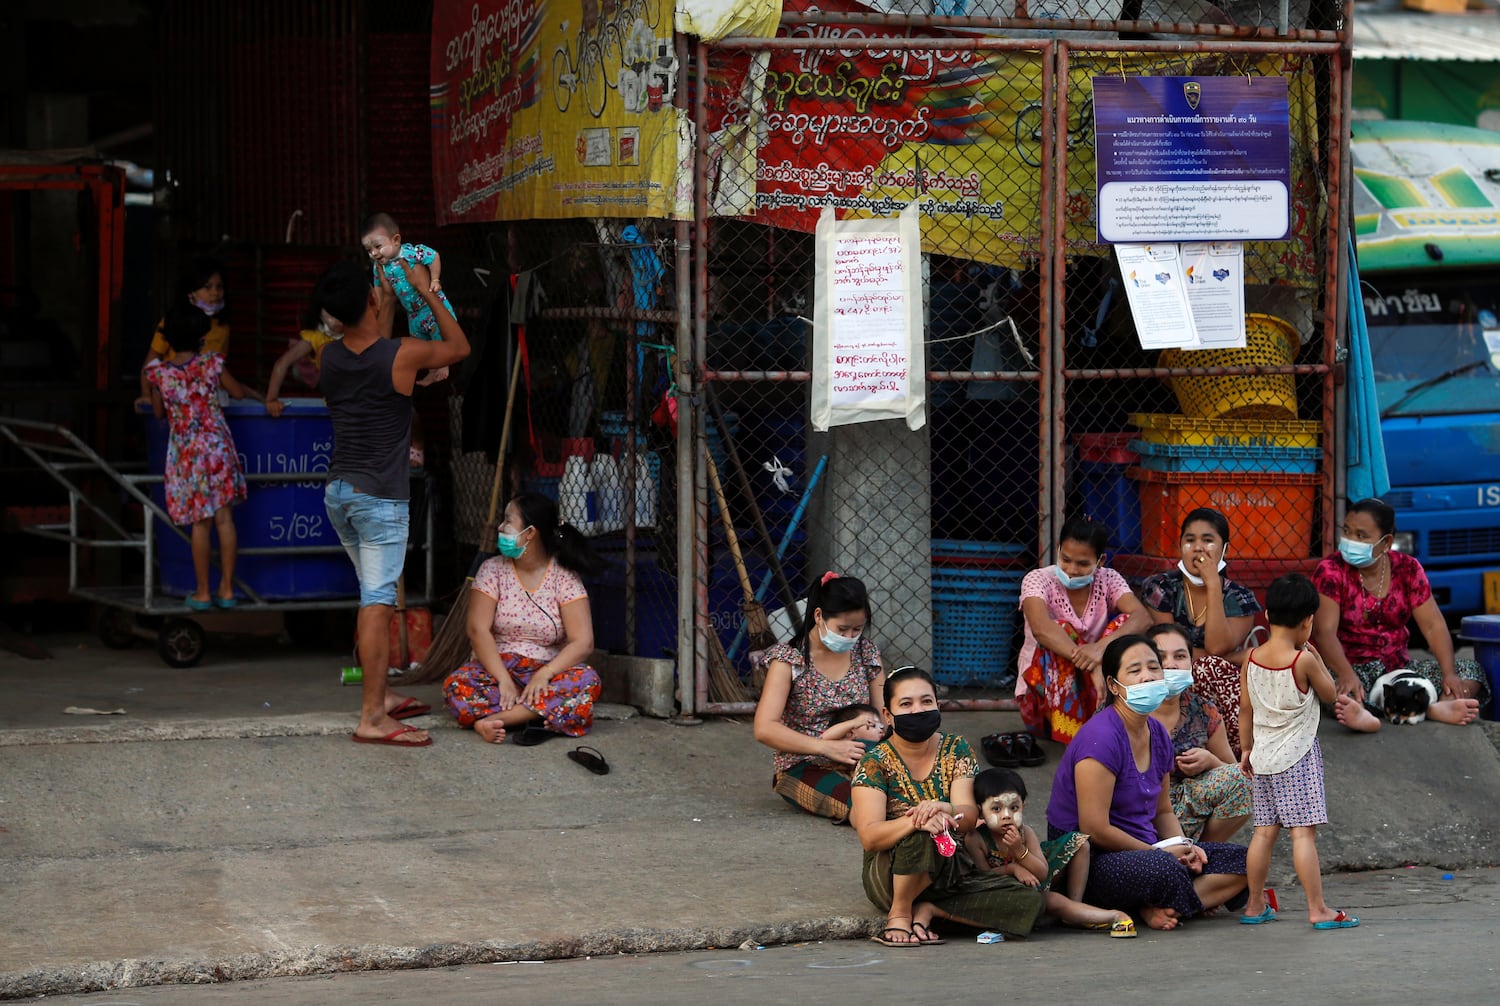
[(865, 131), (553, 108)]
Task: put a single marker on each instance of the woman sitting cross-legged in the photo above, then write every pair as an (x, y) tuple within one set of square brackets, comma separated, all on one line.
[(1210, 794), (913, 803), (1070, 609), (531, 630), (1112, 786), (1370, 593)]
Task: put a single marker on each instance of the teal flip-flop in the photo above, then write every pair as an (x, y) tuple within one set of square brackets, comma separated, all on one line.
[(1342, 920), (1269, 915), (193, 604)]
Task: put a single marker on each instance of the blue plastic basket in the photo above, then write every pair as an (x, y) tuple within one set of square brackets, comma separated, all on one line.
[(974, 613), (954, 553), (1112, 500), (1178, 458)]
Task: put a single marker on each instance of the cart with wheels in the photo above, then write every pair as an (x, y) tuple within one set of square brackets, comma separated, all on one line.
[(290, 559)]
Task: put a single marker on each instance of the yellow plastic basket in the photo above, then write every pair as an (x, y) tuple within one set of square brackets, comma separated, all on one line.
[(1269, 342), (1190, 431)]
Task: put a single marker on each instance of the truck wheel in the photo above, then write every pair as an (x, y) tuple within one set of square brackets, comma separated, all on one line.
[(180, 642)]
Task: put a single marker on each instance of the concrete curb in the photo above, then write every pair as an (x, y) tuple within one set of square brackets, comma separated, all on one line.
[(100, 976)]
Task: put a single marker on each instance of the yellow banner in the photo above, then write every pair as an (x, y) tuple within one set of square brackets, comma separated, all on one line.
[(553, 108)]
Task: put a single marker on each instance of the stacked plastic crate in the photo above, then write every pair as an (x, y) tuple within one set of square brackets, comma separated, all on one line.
[(1238, 448)]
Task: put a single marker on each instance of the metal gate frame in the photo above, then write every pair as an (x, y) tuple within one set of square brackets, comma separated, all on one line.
[(693, 376)]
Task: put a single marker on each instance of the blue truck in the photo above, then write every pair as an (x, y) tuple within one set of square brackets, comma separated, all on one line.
[(1426, 217)]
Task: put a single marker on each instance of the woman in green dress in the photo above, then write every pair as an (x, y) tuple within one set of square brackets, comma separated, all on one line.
[(912, 803)]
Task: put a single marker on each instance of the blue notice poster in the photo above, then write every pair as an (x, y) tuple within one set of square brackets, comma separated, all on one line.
[(1192, 158)]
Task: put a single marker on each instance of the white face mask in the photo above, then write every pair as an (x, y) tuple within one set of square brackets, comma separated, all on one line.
[(1197, 581)]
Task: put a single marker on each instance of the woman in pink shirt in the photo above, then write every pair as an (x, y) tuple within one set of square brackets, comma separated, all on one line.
[(1070, 608)]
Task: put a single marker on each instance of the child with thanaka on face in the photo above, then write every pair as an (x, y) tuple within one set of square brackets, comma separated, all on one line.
[(1003, 843), (1281, 684), (381, 239), (857, 722)]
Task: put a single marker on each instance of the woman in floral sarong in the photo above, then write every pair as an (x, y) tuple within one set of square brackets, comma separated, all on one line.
[(531, 629), (830, 663), (1070, 609)]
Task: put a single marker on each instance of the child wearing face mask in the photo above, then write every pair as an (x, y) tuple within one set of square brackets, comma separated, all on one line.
[(1003, 843), (202, 286), (1280, 686), (381, 239)]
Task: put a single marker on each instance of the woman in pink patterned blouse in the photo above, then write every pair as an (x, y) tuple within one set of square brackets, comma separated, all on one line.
[(531, 630), (830, 663), (1369, 596), (1071, 608)]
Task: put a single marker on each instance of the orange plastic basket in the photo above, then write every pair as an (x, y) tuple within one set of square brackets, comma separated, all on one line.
[(1270, 514)]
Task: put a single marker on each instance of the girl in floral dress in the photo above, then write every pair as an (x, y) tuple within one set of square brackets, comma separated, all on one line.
[(830, 663), (203, 477)]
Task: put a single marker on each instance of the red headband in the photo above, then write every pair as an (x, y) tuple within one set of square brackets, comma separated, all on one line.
[(830, 575)]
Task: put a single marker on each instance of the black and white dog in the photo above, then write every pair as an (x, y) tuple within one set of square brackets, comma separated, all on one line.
[(1401, 696)]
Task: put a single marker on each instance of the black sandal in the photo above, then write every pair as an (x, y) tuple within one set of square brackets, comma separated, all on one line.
[(590, 758), (1000, 751), (531, 735), (1028, 751)]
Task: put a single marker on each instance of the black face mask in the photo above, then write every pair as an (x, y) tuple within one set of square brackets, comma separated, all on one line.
[(917, 727)]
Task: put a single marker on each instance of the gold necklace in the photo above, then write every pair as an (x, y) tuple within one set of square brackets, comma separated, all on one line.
[(1199, 617)]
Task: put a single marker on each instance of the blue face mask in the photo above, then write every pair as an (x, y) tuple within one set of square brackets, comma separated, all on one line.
[(510, 545), (1177, 681), (1146, 697), (1072, 582), (1358, 554), (837, 643)]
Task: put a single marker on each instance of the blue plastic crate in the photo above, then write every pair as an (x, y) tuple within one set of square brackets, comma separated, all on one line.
[(1179, 458), (1112, 500), (954, 553), (974, 617)]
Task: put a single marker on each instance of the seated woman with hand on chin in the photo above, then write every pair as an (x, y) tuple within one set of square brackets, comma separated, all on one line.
[(1112, 786)]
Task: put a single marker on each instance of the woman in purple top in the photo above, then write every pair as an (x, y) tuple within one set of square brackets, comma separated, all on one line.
[(1112, 785)]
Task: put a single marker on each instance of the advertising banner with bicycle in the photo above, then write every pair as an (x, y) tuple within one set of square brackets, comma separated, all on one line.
[(547, 109), (864, 130)]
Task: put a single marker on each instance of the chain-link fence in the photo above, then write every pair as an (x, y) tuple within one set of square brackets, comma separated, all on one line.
[(1040, 401), (590, 317)]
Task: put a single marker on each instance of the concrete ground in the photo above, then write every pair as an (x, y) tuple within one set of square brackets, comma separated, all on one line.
[(1446, 931), (224, 828)]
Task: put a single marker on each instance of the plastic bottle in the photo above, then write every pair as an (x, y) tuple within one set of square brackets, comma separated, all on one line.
[(645, 494), (609, 489), (575, 494)]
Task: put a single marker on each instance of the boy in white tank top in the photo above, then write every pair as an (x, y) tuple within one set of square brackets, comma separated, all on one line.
[(1280, 686)]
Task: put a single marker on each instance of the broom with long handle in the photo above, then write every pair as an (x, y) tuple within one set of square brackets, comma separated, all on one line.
[(450, 645), (761, 636)]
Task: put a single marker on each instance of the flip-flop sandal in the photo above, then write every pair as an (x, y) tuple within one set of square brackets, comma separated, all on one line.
[(1027, 750), (1342, 920), (390, 739), (193, 604), (226, 602), (530, 736), (1269, 915), (1122, 929), (880, 938), (409, 708), (926, 938), (999, 750), (591, 759)]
